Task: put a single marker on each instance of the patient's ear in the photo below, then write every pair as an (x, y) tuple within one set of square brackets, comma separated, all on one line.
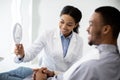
[(106, 29)]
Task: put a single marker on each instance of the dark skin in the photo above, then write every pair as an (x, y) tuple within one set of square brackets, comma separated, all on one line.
[(42, 74)]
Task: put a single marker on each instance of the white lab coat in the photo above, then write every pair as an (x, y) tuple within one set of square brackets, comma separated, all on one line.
[(53, 57)]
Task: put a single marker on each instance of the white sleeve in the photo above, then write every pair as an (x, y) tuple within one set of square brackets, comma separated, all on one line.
[(35, 48)]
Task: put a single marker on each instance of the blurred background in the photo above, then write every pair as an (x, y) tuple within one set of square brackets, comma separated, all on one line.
[(35, 17)]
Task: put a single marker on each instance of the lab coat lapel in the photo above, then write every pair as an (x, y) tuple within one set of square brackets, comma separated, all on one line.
[(57, 41), (71, 47)]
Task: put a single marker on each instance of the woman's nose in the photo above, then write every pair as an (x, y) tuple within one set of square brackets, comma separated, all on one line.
[(64, 26)]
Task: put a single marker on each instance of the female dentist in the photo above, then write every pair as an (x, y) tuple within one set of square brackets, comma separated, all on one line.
[(63, 46)]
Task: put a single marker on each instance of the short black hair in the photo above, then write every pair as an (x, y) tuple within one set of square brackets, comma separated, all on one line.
[(74, 12), (111, 16)]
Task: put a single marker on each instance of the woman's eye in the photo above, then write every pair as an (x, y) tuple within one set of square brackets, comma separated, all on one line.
[(69, 25)]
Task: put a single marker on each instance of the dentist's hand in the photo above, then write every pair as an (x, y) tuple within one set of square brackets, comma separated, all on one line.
[(19, 50), (39, 74)]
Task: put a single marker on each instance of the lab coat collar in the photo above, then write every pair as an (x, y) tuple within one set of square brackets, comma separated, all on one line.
[(66, 37), (71, 47)]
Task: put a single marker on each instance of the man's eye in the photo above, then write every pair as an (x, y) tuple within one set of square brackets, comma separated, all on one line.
[(90, 24), (61, 22)]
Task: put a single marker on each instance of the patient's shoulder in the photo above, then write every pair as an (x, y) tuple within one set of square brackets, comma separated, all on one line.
[(91, 65)]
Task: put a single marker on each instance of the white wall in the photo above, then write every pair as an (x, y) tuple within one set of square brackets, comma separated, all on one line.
[(6, 28), (48, 14), (5, 25)]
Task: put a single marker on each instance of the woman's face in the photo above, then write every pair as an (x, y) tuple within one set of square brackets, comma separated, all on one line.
[(66, 24)]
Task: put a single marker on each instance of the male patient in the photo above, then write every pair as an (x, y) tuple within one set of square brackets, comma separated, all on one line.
[(103, 30)]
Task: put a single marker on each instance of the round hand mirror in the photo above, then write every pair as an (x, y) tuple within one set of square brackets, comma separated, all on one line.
[(17, 33)]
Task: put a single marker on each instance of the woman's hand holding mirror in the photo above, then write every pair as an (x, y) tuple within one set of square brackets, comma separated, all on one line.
[(17, 36)]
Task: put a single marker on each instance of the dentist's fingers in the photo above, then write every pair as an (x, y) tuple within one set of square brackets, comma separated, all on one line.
[(19, 50)]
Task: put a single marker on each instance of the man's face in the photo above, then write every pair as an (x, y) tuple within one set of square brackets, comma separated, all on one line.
[(95, 29)]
